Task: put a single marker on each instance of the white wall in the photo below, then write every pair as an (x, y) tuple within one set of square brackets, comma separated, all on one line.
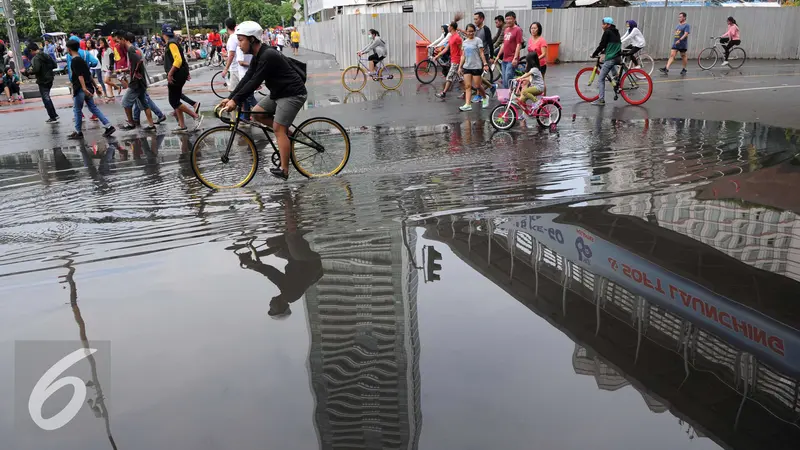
[(578, 30)]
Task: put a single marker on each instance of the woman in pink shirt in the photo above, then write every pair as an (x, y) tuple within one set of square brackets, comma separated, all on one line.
[(730, 38), (537, 44)]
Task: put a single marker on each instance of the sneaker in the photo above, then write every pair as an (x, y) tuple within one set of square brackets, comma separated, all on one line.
[(197, 108), (52, 120), (161, 119), (75, 135), (683, 72), (599, 102), (476, 99), (128, 126), (465, 107), (440, 95), (180, 130), (149, 128), (725, 63), (198, 122), (94, 117), (485, 102), (664, 70), (637, 67), (109, 131), (277, 172)]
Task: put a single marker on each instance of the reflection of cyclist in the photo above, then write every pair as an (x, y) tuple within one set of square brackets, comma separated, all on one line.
[(378, 48), (287, 90), (611, 45)]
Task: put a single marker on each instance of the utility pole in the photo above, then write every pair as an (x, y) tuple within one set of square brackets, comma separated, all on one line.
[(11, 26), (41, 24), (186, 17), (230, 14)]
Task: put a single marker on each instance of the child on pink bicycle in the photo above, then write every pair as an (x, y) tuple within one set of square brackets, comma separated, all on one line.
[(531, 84)]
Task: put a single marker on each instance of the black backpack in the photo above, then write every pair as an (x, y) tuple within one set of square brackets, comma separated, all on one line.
[(299, 67)]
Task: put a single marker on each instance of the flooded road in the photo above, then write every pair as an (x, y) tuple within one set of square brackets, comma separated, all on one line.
[(615, 284)]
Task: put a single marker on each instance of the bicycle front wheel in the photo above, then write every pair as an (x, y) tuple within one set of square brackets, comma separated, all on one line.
[(218, 168), (354, 78), (736, 57), (586, 82), (636, 86), (504, 117), (707, 58), (426, 71), (320, 147), (391, 77), (219, 85)]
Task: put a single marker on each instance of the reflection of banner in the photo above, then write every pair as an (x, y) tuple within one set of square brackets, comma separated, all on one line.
[(759, 334)]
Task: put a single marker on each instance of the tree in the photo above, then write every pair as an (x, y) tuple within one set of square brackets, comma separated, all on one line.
[(27, 23)]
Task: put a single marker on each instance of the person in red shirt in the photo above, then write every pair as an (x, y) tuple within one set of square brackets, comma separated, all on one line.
[(454, 47), (509, 52), (216, 43)]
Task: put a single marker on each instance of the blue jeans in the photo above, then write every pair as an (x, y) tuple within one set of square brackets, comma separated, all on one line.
[(150, 104), (609, 65), (77, 107), (44, 90), (97, 74), (507, 73)]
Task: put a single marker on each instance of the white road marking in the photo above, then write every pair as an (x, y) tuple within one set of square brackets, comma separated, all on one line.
[(764, 88)]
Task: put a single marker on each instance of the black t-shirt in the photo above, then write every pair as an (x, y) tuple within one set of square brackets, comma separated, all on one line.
[(486, 37), (271, 68), (138, 74), (80, 68)]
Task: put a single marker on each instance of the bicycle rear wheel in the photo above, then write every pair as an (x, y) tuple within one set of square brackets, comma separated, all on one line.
[(736, 57), (504, 117), (320, 147), (219, 85), (586, 82), (636, 86), (707, 58), (354, 78), (216, 170), (426, 71), (391, 77), (646, 63)]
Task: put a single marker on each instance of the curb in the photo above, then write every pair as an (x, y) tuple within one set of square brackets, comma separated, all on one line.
[(65, 90)]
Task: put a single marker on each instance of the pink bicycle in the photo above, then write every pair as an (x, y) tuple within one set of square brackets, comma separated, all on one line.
[(505, 115)]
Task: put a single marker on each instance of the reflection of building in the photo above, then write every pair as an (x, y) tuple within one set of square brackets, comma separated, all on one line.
[(586, 362), (762, 237), (364, 357)]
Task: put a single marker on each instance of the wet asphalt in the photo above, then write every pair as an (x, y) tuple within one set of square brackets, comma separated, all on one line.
[(623, 281)]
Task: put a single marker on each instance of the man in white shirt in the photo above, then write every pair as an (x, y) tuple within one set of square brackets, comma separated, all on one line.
[(243, 61), (232, 65), (281, 41)]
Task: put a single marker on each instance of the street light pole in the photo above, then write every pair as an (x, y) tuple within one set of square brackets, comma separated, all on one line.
[(11, 27), (230, 14), (41, 24), (186, 17)]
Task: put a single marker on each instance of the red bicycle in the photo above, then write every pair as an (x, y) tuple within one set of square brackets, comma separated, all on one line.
[(635, 85)]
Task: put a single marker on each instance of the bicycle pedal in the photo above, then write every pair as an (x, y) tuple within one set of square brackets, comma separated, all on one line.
[(616, 97)]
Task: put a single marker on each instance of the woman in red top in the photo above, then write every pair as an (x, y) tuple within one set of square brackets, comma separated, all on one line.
[(537, 44)]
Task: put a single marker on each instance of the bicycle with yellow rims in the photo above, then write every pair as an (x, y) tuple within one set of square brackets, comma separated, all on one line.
[(354, 78), (226, 157)]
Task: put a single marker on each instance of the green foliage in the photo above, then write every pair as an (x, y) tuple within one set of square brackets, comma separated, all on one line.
[(267, 13)]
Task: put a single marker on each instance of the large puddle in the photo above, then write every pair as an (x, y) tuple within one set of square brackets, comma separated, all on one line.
[(612, 285)]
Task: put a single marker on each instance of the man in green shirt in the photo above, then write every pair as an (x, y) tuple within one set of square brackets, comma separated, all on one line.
[(41, 67)]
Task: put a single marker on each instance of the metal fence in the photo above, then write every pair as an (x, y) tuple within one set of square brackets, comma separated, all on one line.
[(766, 32)]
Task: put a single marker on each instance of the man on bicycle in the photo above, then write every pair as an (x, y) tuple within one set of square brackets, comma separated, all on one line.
[(287, 90), (611, 45), (215, 41)]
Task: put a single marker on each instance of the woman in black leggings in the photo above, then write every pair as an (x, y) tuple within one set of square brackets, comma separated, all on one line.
[(730, 38)]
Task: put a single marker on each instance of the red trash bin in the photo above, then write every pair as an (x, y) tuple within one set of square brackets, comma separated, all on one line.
[(422, 51), (552, 52)]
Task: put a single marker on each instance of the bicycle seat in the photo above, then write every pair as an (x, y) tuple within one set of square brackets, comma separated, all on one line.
[(553, 98)]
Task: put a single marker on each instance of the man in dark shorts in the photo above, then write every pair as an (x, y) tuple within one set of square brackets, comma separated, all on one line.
[(680, 44), (177, 74), (287, 89)]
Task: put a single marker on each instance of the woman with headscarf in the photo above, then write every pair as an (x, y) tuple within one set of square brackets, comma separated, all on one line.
[(633, 41)]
